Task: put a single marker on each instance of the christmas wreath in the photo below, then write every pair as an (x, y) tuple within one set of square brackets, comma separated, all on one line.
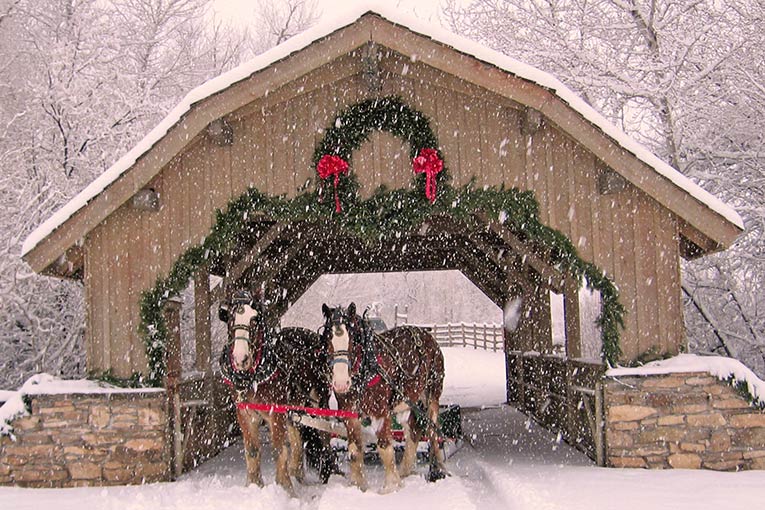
[(351, 128)]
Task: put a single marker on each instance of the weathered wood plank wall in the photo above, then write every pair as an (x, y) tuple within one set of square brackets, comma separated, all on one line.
[(482, 135)]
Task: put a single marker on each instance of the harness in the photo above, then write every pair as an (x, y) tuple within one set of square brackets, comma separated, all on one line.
[(264, 368), (371, 372)]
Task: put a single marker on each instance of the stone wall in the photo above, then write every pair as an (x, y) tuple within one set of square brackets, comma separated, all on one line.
[(73, 440), (681, 420)]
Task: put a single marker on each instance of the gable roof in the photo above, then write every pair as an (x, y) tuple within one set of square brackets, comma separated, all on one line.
[(384, 25)]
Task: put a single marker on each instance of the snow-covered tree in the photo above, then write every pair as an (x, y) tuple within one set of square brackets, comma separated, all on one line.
[(282, 20), (684, 77), (81, 81)]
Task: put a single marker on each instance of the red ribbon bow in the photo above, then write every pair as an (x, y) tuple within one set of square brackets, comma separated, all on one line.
[(329, 165), (428, 162)]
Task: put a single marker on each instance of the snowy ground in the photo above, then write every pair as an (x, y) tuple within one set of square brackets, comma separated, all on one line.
[(512, 464)]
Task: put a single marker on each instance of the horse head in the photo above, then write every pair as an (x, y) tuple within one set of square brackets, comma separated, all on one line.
[(244, 317), (341, 336)]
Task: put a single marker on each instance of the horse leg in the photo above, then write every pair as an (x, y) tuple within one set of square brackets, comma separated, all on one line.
[(437, 469), (319, 454), (356, 453), (388, 456), (249, 423), (278, 424), (296, 453), (407, 421), (327, 458)]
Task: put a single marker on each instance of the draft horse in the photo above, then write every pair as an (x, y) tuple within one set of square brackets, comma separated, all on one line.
[(263, 365), (401, 372)]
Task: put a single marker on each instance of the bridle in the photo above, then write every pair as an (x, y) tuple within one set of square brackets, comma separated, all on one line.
[(339, 317), (239, 300), (243, 380), (342, 356), (360, 356)]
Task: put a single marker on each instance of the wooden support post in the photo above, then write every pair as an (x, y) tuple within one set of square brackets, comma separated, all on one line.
[(511, 388), (203, 361), (172, 313), (600, 439), (534, 332), (572, 319), (202, 302)]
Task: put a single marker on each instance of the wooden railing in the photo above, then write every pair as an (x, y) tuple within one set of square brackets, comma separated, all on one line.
[(564, 395), (489, 337)]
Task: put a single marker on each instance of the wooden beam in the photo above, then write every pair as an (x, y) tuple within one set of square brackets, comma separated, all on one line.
[(238, 269), (216, 294), (470, 267), (273, 267), (70, 264), (514, 275), (552, 277), (172, 314), (534, 332), (692, 243), (506, 259)]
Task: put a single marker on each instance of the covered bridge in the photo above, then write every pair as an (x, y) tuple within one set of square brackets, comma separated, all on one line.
[(360, 89)]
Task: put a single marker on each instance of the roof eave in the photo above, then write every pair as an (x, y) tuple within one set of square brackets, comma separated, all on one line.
[(372, 26)]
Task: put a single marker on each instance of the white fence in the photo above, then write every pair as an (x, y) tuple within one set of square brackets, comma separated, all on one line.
[(489, 337)]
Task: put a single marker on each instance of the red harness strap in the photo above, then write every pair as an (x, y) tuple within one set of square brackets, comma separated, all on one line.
[(281, 408)]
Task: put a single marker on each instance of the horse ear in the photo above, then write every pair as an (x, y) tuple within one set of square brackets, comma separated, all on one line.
[(325, 310), (223, 314), (352, 309)]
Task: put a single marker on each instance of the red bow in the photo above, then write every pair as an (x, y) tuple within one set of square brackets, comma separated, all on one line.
[(427, 161), (329, 165)]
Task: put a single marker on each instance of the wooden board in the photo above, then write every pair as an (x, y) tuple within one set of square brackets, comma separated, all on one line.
[(480, 131)]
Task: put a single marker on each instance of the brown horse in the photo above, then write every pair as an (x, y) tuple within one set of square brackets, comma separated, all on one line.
[(400, 371), (284, 367)]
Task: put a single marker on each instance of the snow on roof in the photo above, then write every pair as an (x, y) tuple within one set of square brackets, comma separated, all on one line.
[(340, 20), (720, 367), (46, 384)]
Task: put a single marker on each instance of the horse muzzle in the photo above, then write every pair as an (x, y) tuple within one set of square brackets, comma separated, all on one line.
[(341, 387)]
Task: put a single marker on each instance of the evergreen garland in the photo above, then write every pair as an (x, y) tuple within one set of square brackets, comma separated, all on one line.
[(351, 128), (385, 214)]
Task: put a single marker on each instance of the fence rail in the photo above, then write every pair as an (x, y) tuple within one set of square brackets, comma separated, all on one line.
[(489, 337)]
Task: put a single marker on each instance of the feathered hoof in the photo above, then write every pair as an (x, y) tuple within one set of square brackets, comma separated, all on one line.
[(325, 474), (435, 475), (403, 473), (391, 487), (361, 485), (258, 482)]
